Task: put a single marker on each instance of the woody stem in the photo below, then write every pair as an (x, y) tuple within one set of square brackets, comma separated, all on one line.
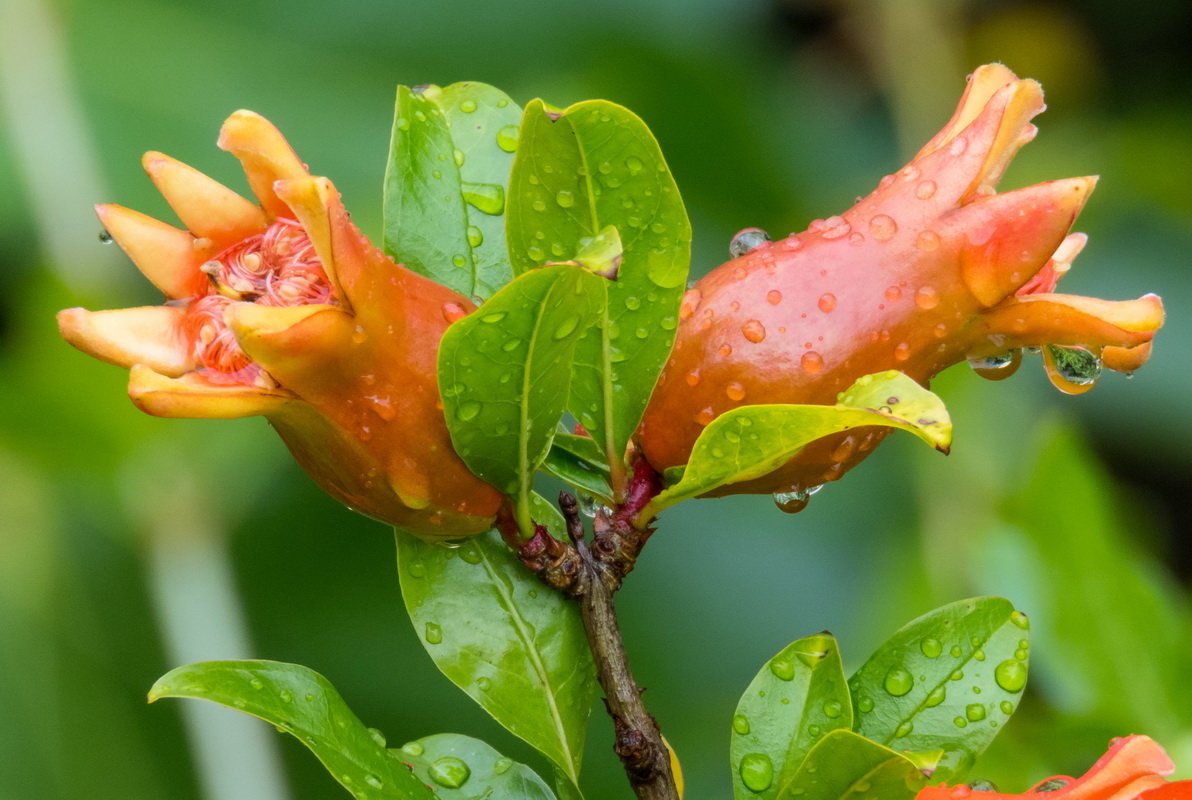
[(638, 740)]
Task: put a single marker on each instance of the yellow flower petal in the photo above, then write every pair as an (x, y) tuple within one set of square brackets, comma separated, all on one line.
[(166, 255), (309, 199), (146, 335), (193, 397), (205, 206), (297, 345), (266, 155)]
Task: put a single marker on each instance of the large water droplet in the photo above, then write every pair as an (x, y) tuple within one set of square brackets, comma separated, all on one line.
[(468, 411), (434, 633), (1072, 370), (412, 748), (566, 327), (898, 682), (754, 331), (450, 772), (1010, 675), (833, 709), (756, 771), (931, 647), (1022, 621), (792, 502), (935, 697), (883, 227), (834, 227), (783, 667), (812, 363), (747, 239), (827, 303), (377, 737), (998, 366), (507, 138), (740, 724), (975, 712), (487, 197), (475, 236)]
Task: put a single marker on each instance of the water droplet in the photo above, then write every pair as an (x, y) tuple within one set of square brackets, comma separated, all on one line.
[(475, 236), (459, 260), (960, 722), (957, 674), (565, 199), (834, 227), (833, 709), (434, 633), (634, 164), (898, 682), (935, 697), (705, 416), (377, 737), (903, 730), (927, 297), (883, 227), (975, 712), (450, 772), (256, 683), (566, 327), (1072, 370), (754, 331), (927, 240), (467, 106), (507, 138), (827, 303), (756, 771), (902, 352), (998, 366), (979, 654), (374, 781), (663, 270), (493, 318), (1022, 621), (783, 668), (1010, 675), (865, 705), (468, 411), (286, 696), (735, 392), (747, 239), (486, 197), (740, 724), (105, 237), (931, 647), (793, 501), (812, 363), (725, 350), (412, 748), (925, 190), (893, 294), (958, 146), (692, 378)]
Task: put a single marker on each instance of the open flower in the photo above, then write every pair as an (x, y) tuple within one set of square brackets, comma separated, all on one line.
[(1132, 769), (285, 310), (932, 268)]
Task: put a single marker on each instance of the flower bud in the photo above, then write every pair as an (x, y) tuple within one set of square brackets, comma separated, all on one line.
[(932, 268), (283, 309)]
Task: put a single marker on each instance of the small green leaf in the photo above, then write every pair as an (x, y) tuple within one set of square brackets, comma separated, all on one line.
[(752, 441), (504, 372), (513, 645), (462, 768), (797, 697), (578, 171), (304, 704), (445, 183), (586, 472), (846, 766), (946, 681)]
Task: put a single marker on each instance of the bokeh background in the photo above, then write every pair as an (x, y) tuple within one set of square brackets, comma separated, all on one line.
[(129, 545)]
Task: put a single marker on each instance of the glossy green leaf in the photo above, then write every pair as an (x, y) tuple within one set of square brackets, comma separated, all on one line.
[(752, 441), (445, 183), (946, 681), (304, 704), (797, 697), (462, 768), (846, 766), (578, 171), (577, 460), (513, 645), (504, 373)]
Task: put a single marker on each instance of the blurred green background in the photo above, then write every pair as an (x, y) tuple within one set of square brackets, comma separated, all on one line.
[(129, 545)]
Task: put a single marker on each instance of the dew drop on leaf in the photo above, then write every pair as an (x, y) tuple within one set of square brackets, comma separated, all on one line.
[(507, 138), (898, 682), (450, 772), (756, 771), (1010, 675)]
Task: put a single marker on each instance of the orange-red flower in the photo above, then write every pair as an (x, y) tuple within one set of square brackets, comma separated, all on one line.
[(285, 310), (933, 267), (1134, 768)]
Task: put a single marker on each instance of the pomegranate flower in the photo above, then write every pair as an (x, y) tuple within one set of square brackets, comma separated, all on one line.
[(1132, 769), (932, 268), (285, 310)]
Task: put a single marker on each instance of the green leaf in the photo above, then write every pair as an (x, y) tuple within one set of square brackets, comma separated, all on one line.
[(752, 441), (513, 645), (846, 766), (577, 172), (946, 681), (798, 696), (445, 183), (304, 704), (504, 373), (462, 768), (586, 472)]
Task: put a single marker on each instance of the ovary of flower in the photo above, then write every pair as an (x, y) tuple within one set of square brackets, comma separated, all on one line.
[(282, 308), (933, 267)]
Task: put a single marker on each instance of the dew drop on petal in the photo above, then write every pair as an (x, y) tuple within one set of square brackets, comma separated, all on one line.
[(735, 392), (453, 311), (997, 366), (692, 377), (902, 352), (812, 363), (705, 416), (883, 227), (958, 146), (773, 297), (927, 297), (927, 240), (690, 303), (754, 331), (745, 240), (835, 227), (827, 303), (1072, 370), (925, 190)]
